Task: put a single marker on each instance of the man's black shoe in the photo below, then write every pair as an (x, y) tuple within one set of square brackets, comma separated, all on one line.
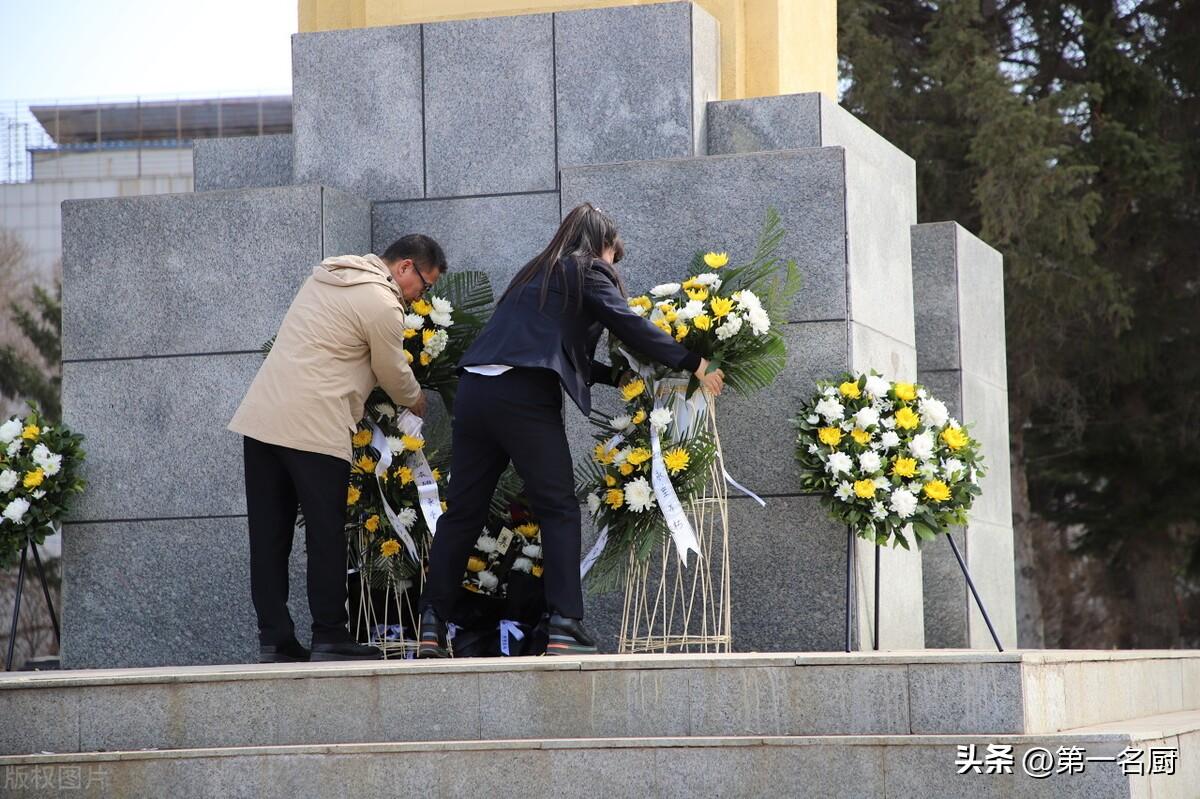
[(287, 652), (432, 636), (345, 650), (568, 637)]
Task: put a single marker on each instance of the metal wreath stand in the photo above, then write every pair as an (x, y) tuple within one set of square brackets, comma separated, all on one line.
[(26, 548)]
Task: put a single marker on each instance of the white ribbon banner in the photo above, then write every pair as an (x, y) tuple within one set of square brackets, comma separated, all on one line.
[(668, 501), (509, 628), (427, 490), (380, 443), (589, 560)]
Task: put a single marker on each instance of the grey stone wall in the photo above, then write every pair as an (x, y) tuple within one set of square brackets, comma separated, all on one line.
[(242, 162), (166, 302), (959, 288)]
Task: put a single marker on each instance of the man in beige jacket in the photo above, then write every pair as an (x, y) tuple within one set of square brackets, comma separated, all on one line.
[(342, 336)]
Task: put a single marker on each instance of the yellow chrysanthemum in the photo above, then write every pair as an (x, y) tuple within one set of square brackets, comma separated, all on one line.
[(361, 438), (625, 469), (906, 392), (904, 467), (444, 506), (412, 443), (528, 529), (352, 495), (609, 480), (639, 417), (864, 489), (830, 436), (30, 433), (692, 283), (642, 302), (426, 359), (861, 436), (537, 570), (423, 307), (475, 564), (663, 325), (954, 437), (404, 475), (408, 356), (365, 464), (721, 306), (389, 548), (639, 455), (937, 491), (603, 456), (409, 332), (702, 322), (676, 460), (715, 260), (437, 475), (681, 331), (34, 479), (907, 419), (699, 294), (614, 498), (633, 388), (372, 523), (850, 389), (665, 307), (427, 335)]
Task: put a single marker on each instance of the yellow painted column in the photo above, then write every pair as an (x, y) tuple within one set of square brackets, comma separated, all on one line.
[(767, 46)]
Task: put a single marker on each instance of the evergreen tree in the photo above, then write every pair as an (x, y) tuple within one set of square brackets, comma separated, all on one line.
[(40, 381)]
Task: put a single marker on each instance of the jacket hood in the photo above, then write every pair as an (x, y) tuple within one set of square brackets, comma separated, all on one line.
[(355, 270)]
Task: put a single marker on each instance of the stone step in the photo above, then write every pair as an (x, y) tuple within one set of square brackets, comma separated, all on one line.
[(729, 766), (928, 692)]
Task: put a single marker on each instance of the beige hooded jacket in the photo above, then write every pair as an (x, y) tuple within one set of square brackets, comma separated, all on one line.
[(343, 335)]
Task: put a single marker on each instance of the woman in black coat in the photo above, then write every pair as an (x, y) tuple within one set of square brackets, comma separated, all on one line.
[(540, 341)]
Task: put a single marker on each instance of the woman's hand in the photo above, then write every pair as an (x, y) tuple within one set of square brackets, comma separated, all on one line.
[(419, 407), (712, 382)]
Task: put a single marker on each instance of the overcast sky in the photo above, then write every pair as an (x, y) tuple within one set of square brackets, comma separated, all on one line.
[(100, 49)]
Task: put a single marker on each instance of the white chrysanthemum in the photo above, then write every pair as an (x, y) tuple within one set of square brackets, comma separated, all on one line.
[(928, 470), (869, 462), (847, 425), (385, 409), (52, 465), (760, 323), (523, 565), (866, 417), (437, 343), (710, 279), (747, 299), (407, 517), (829, 391), (813, 449), (881, 482), (621, 422), (890, 439), (38, 494), (531, 551), (953, 468), (487, 580), (933, 412), (657, 314), (903, 503), (812, 418), (414, 321), (16, 510), (639, 310), (690, 310), (839, 462), (441, 305), (730, 328), (621, 455), (8, 480), (665, 289), (593, 503), (921, 393), (14, 447), (10, 430), (921, 446), (844, 491), (638, 495), (876, 386), (487, 545), (879, 510), (889, 422), (441, 319), (831, 409), (395, 444), (661, 417)]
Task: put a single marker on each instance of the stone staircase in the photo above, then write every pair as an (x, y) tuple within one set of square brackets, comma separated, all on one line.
[(885, 724)]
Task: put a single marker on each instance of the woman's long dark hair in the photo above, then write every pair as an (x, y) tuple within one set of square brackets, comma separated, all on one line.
[(584, 234)]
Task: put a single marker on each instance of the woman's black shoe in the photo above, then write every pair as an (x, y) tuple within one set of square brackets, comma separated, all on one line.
[(346, 650), (568, 637), (432, 635), (287, 652)]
